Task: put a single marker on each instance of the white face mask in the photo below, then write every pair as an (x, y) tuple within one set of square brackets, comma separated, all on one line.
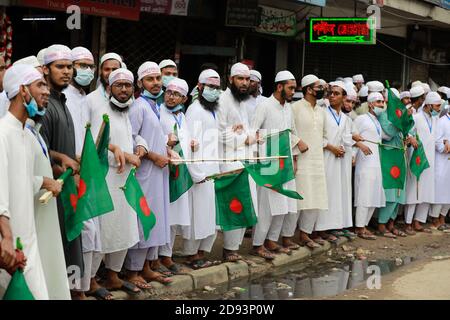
[(122, 105)]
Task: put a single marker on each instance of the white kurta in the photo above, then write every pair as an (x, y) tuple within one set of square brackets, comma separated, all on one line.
[(18, 185), (178, 210), (4, 103), (339, 174), (423, 123), (202, 126), (47, 225), (252, 104), (442, 164), (310, 177), (76, 104), (119, 228), (273, 117), (368, 184)]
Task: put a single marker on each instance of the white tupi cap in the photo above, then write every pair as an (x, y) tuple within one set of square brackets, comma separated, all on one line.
[(240, 69), (79, 53), (283, 76), (363, 92), (17, 75), (255, 76), (375, 86), (148, 68), (309, 79), (30, 60), (209, 76), (109, 56), (339, 84), (167, 63), (178, 85), (416, 91), (396, 93), (358, 78), (405, 94), (375, 96), (433, 98), (120, 74), (57, 52)]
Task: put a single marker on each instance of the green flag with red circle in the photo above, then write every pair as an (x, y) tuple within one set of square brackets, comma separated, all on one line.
[(234, 206), (398, 114), (419, 161), (136, 199), (393, 167), (69, 199)]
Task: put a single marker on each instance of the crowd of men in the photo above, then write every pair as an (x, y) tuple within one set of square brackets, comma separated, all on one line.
[(335, 129)]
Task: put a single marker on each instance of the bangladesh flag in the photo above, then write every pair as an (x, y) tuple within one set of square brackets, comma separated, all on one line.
[(234, 206), (69, 199), (180, 180), (94, 198), (18, 288), (419, 161), (398, 114), (136, 199), (393, 167), (272, 174), (103, 144)]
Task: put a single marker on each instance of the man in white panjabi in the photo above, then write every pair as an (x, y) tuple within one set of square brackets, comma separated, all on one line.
[(18, 180), (274, 115), (368, 184), (372, 86), (179, 211), (338, 167), (202, 122), (420, 193), (417, 98), (349, 103), (235, 140), (255, 94), (118, 230), (358, 81), (442, 172), (310, 178)]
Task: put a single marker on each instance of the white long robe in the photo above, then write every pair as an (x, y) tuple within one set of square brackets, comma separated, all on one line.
[(77, 107), (310, 177), (426, 181), (442, 162), (18, 185), (339, 174), (178, 210), (47, 226), (118, 228), (272, 117), (4, 103), (368, 184), (203, 127), (252, 104)]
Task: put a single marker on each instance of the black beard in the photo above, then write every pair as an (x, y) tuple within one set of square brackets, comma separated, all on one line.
[(239, 96), (283, 95), (103, 82), (210, 106)]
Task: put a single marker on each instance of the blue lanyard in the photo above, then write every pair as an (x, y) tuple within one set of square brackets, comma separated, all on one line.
[(430, 124), (34, 132), (156, 109), (338, 120), (376, 126), (214, 114), (448, 117)]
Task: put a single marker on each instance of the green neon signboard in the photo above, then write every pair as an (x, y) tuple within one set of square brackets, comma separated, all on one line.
[(342, 30)]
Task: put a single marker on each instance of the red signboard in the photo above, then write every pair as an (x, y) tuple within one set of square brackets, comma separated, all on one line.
[(123, 9)]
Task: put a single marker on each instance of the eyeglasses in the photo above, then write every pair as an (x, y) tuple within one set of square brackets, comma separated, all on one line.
[(85, 66), (125, 85), (175, 94), (318, 87)]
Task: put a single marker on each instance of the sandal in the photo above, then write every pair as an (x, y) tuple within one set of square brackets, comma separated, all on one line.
[(161, 279), (264, 253), (386, 234), (163, 270), (367, 236), (338, 233), (398, 232), (231, 256), (424, 230), (319, 240), (101, 294), (332, 239), (141, 284), (292, 246), (280, 249), (199, 264), (128, 287), (410, 232), (176, 269), (310, 244)]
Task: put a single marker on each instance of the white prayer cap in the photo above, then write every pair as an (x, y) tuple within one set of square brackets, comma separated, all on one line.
[(120, 74), (123, 65), (351, 94), (57, 52), (30, 60), (396, 93), (443, 90), (358, 78), (426, 87), (375, 86), (416, 83), (167, 63), (309, 79), (339, 79), (433, 98), (322, 82), (348, 80), (416, 91), (209, 76), (283, 76), (375, 96), (405, 94), (79, 53), (17, 75), (178, 85), (109, 56), (240, 69), (148, 68), (255, 76), (339, 84), (40, 56), (363, 92)]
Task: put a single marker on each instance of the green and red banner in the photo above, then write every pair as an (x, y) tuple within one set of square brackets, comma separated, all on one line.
[(419, 161), (136, 199), (103, 145), (398, 114), (393, 167)]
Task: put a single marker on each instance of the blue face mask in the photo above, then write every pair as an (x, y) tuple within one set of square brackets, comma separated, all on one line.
[(176, 108), (32, 107), (434, 113), (84, 77), (149, 95), (210, 94), (378, 111), (166, 80)]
